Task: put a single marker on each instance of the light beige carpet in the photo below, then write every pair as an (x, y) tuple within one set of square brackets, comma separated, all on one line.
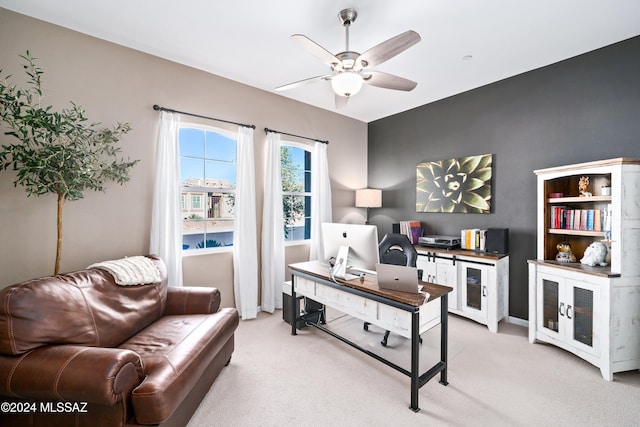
[(276, 379)]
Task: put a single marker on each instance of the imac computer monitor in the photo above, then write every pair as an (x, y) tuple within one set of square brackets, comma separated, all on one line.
[(353, 246)]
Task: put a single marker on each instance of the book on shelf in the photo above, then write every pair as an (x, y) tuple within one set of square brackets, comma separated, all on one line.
[(597, 220), (590, 215), (473, 239), (583, 219), (411, 229), (563, 218)]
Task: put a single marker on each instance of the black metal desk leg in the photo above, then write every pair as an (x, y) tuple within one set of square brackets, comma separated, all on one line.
[(294, 314), (444, 338), (415, 360)]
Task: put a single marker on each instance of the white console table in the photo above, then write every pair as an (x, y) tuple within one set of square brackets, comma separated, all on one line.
[(480, 282)]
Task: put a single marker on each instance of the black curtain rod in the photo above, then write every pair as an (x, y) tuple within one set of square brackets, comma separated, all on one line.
[(159, 108), (267, 130)]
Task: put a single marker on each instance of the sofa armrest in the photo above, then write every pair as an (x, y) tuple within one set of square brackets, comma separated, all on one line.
[(71, 373), (192, 300)]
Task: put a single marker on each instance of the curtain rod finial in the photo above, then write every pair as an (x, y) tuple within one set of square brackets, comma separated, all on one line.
[(156, 107)]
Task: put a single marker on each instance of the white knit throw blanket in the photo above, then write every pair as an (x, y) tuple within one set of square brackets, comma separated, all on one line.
[(135, 270)]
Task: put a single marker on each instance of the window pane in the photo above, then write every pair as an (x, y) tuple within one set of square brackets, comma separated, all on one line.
[(218, 240), (196, 202), (219, 147), (296, 178), (192, 232), (207, 240), (219, 174), (294, 181), (294, 223), (307, 206), (307, 181), (191, 172), (220, 206), (207, 159), (191, 142)]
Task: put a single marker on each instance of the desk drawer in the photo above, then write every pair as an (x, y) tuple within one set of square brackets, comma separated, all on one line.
[(354, 305), (305, 287), (399, 321), (429, 315), (395, 320)]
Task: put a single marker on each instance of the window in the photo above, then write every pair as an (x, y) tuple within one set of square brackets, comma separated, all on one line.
[(296, 192), (195, 201), (208, 181)]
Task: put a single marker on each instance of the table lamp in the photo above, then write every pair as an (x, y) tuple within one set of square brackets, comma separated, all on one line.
[(368, 198)]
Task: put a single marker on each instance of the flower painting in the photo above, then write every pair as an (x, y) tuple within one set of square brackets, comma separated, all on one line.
[(461, 185)]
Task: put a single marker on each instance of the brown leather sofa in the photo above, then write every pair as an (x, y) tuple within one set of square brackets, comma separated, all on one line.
[(80, 350)]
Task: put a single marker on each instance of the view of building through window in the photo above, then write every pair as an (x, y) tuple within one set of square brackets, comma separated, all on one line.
[(296, 192), (208, 185), (208, 181)]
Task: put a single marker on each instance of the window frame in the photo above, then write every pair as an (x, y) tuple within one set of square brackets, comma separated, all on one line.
[(309, 149), (187, 189)]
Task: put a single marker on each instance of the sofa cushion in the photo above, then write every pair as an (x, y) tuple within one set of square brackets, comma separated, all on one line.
[(175, 352), (81, 308)]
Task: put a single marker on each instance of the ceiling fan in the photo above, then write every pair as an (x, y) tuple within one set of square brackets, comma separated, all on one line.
[(351, 69)]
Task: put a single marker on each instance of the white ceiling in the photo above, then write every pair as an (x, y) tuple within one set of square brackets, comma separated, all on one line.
[(249, 40)]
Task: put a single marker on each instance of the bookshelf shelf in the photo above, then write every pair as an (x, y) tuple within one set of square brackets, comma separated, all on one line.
[(560, 200), (567, 232)]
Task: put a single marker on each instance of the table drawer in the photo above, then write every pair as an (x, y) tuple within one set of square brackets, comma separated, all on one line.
[(429, 315), (399, 321), (305, 287), (355, 305)]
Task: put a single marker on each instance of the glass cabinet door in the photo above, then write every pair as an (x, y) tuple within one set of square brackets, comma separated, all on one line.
[(473, 281), (551, 305), (568, 310), (582, 313), (474, 288), (582, 316)]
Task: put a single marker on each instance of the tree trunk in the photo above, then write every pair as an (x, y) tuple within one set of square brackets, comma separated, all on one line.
[(61, 200)]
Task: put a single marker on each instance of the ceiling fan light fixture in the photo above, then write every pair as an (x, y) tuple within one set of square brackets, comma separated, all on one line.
[(347, 83)]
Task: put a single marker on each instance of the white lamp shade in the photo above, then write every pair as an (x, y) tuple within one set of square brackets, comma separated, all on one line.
[(346, 83), (369, 198)]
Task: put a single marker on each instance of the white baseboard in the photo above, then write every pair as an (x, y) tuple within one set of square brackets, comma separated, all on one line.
[(518, 321)]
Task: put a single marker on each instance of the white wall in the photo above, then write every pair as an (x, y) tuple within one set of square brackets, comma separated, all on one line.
[(114, 83)]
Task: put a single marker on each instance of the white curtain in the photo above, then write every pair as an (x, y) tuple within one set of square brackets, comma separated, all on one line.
[(166, 217), (245, 249), (273, 268), (320, 199)]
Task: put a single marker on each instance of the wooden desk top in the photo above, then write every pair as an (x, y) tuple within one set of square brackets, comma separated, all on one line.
[(370, 284)]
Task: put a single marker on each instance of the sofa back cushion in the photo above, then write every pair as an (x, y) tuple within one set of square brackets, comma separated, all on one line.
[(81, 308)]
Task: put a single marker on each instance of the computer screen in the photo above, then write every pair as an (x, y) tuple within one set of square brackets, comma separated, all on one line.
[(359, 242)]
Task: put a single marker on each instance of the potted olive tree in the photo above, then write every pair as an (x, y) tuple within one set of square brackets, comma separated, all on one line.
[(57, 152)]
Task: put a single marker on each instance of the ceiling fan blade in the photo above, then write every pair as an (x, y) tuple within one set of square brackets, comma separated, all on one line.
[(389, 81), (388, 49), (302, 82), (316, 50), (341, 101)]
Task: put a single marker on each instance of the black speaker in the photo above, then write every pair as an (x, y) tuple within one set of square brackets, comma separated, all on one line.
[(497, 240)]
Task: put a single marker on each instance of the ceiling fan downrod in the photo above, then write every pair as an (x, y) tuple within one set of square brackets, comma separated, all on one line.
[(347, 17)]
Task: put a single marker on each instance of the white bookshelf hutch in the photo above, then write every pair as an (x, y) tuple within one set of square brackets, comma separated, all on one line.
[(592, 312)]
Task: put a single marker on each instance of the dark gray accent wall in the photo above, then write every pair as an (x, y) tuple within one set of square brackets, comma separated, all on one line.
[(582, 109)]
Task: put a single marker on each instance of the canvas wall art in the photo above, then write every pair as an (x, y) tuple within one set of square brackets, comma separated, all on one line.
[(461, 185)]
